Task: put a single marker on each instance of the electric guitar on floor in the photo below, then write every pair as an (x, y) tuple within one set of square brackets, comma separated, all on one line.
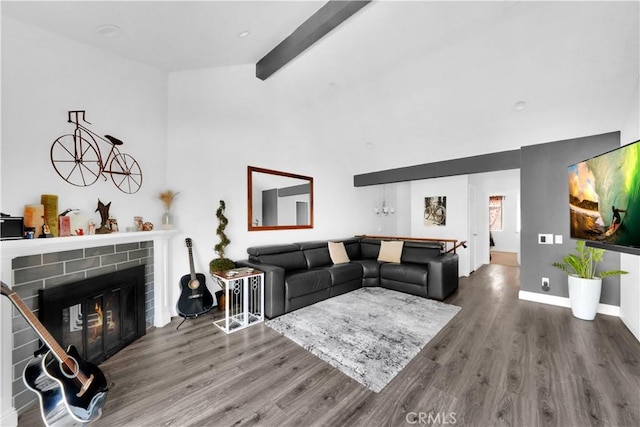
[(71, 390), (195, 298)]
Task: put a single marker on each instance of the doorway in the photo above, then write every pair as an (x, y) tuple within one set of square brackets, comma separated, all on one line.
[(481, 186), (502, 239)]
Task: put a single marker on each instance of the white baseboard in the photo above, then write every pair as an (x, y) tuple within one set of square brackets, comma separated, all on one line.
[(9, 417), (607, 309)]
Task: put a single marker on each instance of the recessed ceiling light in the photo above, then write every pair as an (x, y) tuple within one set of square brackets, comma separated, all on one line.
[(520, 105), (244, 34), (108, 31)]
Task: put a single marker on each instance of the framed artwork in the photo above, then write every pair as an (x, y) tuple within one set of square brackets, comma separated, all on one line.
[(435, 210)]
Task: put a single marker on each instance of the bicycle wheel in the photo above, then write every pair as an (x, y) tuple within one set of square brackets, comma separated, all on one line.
[(440, 216), (76, 159), (126, 173)]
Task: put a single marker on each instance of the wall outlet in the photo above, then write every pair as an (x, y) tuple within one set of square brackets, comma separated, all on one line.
[(545, 284)]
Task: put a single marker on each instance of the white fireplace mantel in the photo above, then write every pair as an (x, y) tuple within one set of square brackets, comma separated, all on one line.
[(11, 249), (16, 248)]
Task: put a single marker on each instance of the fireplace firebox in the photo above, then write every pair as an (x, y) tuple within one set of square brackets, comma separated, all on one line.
[(99, 316)]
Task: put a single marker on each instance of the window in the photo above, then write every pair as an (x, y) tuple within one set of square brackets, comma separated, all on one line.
[(495, 212)]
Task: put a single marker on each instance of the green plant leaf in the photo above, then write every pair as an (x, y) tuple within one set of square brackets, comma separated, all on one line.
[(584, 262)]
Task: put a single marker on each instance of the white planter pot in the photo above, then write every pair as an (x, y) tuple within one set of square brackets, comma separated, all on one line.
[(584, 295)]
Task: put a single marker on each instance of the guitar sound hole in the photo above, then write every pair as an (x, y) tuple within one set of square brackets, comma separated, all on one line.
[(194, 284), (69, 368)]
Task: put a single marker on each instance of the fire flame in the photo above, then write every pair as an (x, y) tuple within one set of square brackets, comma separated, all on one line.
[(98, 326)]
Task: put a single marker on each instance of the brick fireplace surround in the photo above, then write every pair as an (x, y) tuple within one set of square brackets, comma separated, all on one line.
[(29, 265)]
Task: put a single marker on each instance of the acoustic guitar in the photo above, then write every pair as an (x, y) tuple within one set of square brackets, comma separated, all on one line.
[(195, 298), (71, 390)]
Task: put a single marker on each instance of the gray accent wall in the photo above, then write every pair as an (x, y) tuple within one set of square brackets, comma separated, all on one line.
[(544, 202), (492, 162), (545, 209)]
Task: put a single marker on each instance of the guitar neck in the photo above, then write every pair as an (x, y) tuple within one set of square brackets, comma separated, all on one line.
[(191, 267), (42, 332)]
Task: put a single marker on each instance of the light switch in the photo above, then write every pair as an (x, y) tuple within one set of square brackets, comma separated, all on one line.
[(558, 239), (545, 239)]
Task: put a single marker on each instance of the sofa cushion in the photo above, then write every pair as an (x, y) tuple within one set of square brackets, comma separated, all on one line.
[(353, 248), (272, 249), (316, 253), (420, 252), (287, 256), (306, 282), (342, 273), (408, 273), (306, 300), (290, 261), (390, 251), (370, 267), (338, 252), (312, 244), (370, 248), (317, 257)]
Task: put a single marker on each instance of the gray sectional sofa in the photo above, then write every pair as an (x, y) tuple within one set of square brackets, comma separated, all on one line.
[(301, 274)]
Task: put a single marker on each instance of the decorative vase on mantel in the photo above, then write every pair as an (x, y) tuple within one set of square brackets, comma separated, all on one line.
[(167, 220), (166, 197)]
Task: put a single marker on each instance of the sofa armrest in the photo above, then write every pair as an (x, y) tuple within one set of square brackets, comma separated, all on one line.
[(443, 276), (273, 286)]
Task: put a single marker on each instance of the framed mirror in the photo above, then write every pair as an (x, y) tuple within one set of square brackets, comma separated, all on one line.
[(278, 200)]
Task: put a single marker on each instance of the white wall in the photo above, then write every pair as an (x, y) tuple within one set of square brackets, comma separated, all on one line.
[(223, 120), (456, 190), (630, 283), (44, 76)]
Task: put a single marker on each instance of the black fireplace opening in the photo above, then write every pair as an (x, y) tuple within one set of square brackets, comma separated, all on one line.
[(99, 316)]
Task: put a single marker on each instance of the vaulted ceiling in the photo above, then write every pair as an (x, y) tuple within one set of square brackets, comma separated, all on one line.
[(402, 62), (171, 35)]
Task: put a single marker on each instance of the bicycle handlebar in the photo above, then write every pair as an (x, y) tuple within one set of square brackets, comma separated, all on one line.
[(77, 113)]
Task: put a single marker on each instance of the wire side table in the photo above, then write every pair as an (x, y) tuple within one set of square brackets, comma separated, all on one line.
[(244, 298)]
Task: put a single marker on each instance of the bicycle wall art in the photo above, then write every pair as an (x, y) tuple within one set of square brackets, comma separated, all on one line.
[(78, 159), (435, 210)]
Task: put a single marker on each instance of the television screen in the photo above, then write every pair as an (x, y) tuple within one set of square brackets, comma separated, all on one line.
[(604, 199)]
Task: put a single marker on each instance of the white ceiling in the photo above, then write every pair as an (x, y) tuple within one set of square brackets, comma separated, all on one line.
[(172, 35), (400, 60), (188, 35)]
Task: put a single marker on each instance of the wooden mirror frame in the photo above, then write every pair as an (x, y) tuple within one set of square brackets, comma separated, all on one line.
[(251, 226)]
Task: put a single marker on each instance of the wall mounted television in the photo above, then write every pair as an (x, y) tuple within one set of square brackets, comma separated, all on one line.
[(604, 200)]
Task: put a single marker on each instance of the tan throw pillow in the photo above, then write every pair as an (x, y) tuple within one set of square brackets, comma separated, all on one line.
[(338, 253), (390, 251)]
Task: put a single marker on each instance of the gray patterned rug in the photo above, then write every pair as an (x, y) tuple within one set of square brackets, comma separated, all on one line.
[(370, 334)]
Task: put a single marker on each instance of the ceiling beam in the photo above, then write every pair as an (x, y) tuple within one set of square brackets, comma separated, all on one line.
[(313, 29)]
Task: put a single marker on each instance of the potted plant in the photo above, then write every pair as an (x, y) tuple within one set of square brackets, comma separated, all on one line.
[(585, 284), (221, 263)]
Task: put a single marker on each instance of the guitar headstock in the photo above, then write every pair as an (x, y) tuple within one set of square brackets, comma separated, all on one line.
[(189, 242), (6, 291)]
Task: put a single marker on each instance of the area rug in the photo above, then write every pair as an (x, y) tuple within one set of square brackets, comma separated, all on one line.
[(370, 334), (504, 258)]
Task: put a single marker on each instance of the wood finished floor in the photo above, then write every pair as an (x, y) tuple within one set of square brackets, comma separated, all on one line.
[(500, 361)]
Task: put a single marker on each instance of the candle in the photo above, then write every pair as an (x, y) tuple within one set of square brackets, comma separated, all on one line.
[(50, 202), (34, 217)]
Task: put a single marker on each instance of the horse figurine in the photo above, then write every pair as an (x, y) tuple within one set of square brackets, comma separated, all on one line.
[(104, 218)]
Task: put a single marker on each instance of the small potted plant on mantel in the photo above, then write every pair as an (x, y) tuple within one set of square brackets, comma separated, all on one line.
[(221, 263), (585, 285)]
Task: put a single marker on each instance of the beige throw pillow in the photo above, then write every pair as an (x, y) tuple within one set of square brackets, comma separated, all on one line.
[(338, 253), (390, 251)]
